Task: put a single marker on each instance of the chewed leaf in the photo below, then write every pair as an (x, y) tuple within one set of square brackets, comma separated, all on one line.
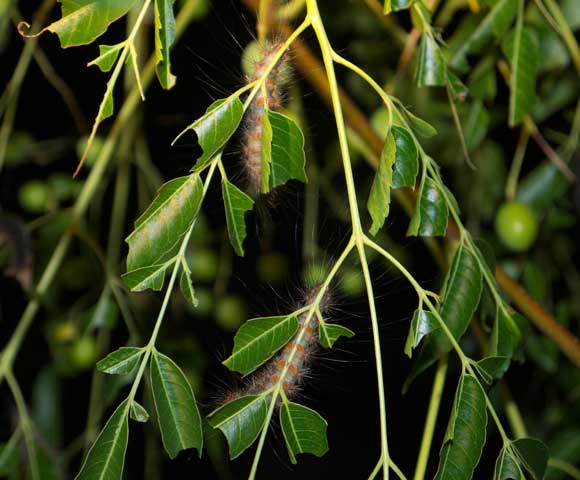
[(380, 195), (258, 339), (304, 430), (121, 362), (107, 455), (329, 333), (236, 204), (406, 158), (431, 212), (108, 54), (465, 435), (215, 128), (164, 38), (287, 150), (177, 412), (431, 69), (84, 20), (241, 421), (164, 222), (422, 324)]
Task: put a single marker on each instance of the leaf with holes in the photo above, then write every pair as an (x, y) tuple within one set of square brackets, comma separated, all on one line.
[(166, 220), (120, 362), (83, 20), (431, 212), (380, 195), (236, 204), (329, 333), (164, 38), (215, 128), (177, 412), (465, 435), (107, 455), (241, 421), (286, 150), (304, 430), (258, 339)]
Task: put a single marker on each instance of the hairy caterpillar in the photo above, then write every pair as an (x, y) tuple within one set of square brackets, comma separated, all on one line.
[(269, 97), (290, 366)]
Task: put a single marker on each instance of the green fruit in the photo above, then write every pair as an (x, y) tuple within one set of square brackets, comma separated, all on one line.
[(34, 196), (516, 226), (83, 353), (203, 265), (230, 312), (250, 56), (352, 282), (65, 331)]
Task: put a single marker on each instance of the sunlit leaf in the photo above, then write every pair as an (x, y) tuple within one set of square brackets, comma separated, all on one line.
[(215, 127), (186, 285), (258, 339), (164, 38), (164, 222), (465, 435), (304, 430), (423, 323), (138, 412), (106, 457), (108, 55), (236, 204), (241, 421), (406, 158), (329, 333), (431, 68), (146, 277), (84, 20), (287, 150), (431, 212), (121, 362), (380, 196), (177, 412)]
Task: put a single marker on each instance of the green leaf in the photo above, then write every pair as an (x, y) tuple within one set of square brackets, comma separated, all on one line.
[(506, 334), (465, 435), (482, 80), (236, 204), (406, 158), (397, 5), (10, 457), (423, 128), (521, 47), (495, 24), (431, 68), (215, 128), (120, 362), (241, 421), (166, 220), (146, 277), (533, 455), (457, 88), (107, 455), (258, 339), (85, 20), (431, 212), (304, 430), (108, 55), (138, 412), (286, 149), (506, 467), (543, 186), (177, 412), (186, 285), (477, 125), (164, 38), (107, 105), (423, 323), (380, 195), (493, 367), (329, 333), (460, 298)]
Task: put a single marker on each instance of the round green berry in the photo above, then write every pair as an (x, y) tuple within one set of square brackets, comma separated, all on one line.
[(516, 226)]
